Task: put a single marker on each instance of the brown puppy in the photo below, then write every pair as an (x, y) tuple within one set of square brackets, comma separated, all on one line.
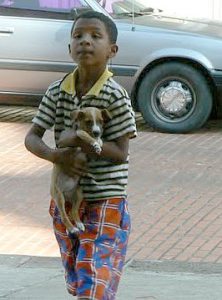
[(88, 124)]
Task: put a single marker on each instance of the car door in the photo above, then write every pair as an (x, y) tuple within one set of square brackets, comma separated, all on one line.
[(34, 37)]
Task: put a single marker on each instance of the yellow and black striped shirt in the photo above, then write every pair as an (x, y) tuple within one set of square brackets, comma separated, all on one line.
[(108, 180)]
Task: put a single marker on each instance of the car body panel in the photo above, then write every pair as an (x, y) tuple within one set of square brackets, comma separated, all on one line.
[(41, 58), (34, 48), (183, 43), (37, 62)]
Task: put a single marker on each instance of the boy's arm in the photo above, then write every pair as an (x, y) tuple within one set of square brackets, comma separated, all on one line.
[(35, 144), (116, 150), (65, 156)]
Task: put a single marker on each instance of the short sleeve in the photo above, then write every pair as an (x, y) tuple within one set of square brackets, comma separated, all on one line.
[(123, 117), (45, 116)]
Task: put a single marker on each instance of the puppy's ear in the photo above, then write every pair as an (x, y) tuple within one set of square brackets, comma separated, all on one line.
[(106, 115), (80, 115), (74, 115), (77, 115)]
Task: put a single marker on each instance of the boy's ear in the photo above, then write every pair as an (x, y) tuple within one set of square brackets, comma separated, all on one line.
[(113, 50)]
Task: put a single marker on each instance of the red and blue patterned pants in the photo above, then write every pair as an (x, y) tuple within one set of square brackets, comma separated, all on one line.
[(93, 262)]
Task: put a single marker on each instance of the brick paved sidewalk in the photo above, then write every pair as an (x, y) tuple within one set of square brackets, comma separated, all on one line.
[(174, 194)]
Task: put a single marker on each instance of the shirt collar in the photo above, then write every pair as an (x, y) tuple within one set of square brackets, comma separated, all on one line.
[(68, 83)]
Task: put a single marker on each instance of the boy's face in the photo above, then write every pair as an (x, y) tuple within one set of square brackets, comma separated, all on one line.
[(90, 44)]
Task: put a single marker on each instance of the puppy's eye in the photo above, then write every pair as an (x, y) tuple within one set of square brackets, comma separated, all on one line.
[(88, 122)]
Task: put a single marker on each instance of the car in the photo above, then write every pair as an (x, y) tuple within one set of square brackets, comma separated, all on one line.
[(171, 67)]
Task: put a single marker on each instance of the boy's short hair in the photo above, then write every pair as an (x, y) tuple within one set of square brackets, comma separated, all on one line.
[(107, 21)]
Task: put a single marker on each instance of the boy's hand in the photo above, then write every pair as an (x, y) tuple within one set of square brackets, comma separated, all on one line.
[(68, 138), (71, 166), (90, 150)]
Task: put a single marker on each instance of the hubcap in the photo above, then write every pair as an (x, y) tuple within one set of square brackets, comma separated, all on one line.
[(173, 99)]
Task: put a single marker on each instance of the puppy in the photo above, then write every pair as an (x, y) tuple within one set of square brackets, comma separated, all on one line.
[(88, 124)]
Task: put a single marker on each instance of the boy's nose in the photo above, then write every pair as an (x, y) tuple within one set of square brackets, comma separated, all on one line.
[(85, 40)]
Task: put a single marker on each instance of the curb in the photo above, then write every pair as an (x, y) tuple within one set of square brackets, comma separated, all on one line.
[(23, 114), (24, 261), (173, 266)]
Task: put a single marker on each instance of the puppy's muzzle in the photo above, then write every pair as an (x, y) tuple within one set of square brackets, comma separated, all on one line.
[(96, 133)]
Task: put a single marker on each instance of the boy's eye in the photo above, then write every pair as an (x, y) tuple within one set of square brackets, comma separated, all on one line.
[(96, 35), (76, 35)]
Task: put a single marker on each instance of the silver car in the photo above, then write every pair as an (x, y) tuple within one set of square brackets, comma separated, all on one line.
[(171, 67)]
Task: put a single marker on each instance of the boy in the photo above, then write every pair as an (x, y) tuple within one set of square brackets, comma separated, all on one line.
[(93, 262)]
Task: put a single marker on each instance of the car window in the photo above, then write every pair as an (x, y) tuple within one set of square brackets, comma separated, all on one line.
[(41, 8), (120, 8)]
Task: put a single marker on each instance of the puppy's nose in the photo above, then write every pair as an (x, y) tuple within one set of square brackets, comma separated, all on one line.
[(96, 133)]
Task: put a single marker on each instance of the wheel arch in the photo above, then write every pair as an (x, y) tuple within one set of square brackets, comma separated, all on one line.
[(159, 61)]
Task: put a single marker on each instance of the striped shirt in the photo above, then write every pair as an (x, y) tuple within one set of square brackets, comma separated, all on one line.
[(107, 180)]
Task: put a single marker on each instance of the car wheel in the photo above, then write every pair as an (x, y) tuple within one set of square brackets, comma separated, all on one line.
[(175, 97)]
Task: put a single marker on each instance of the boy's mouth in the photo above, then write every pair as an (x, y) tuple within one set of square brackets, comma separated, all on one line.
[(84, 52)]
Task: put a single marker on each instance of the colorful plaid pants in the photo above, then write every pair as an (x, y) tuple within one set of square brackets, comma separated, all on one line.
[(93, 262)]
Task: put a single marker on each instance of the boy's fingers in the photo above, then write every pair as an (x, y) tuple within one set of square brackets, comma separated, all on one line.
[(80, 168), (78, 171), (82, 172)]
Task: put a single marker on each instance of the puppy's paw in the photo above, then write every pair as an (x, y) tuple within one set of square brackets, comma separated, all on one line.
[(97, 147), (100, 142), (73, 233), (80, 226)]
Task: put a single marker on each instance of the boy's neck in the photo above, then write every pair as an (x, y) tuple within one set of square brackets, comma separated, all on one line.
[(86, 79)]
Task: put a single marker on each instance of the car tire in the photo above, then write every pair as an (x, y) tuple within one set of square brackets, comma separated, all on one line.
[(175, 97)]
